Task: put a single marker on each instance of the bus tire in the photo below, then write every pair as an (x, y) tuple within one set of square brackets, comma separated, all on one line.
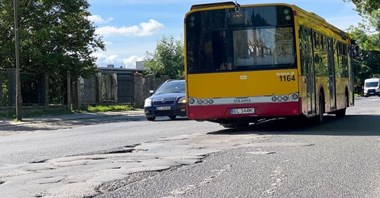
[(342, 112), (235, 125), (172, 117), (321, 110), (151, 118)]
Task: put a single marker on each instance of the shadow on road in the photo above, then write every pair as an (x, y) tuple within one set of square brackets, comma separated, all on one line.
[(57, 123), (351, 125)]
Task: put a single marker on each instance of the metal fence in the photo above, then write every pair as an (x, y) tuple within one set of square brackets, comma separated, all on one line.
[(106, 87)]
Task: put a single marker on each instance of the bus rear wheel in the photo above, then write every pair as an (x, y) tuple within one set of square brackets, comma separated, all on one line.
[(342, 112)]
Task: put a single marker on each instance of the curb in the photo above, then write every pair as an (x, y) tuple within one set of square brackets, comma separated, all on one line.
[(70, 117)]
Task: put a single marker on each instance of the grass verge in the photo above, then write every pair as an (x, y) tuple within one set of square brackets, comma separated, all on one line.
[(106, 108)]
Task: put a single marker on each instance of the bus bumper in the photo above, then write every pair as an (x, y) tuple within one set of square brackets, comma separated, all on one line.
[(258, 110)]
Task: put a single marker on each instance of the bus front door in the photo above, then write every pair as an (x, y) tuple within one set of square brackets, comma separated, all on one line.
[(307, 61)]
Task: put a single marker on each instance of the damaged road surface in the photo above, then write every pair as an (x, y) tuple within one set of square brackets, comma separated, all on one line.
[(83, 174), (186, 159)]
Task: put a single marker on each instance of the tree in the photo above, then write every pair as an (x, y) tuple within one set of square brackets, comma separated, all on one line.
[(364, 35), (370, 46), (167, 59), (366, 6), (56, 37), (367, 35)]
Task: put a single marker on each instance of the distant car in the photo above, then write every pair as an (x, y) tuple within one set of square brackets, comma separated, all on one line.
[(372, 87), (168, 100)]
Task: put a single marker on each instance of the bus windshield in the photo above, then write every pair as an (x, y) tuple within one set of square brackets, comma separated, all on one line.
[(251, 39)]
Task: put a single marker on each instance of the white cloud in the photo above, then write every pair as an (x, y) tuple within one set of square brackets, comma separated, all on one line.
[(104, 59), (99, 20), (143, 29), (131, 61)]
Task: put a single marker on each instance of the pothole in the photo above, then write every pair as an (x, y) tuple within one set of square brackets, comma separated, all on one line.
[(132, 146), (39, 161), (121, 151)]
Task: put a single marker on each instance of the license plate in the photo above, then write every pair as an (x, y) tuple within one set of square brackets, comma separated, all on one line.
[(164, 108), (243, 111)]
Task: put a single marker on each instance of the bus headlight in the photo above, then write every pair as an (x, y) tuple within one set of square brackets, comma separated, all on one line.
[(204, 101), (294, 97), (148, 102), (191, 101)]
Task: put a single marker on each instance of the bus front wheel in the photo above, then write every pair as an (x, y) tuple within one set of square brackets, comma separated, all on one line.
[(235, 125), (321, 110)]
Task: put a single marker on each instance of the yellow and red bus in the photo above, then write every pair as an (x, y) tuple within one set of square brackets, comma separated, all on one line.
[(245, 63)]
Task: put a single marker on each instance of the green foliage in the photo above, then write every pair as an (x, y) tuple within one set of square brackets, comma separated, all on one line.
[(367, 35), (368, 40), (55, 37), (370, 48), (167, 59), (366, 6), (105, 108)]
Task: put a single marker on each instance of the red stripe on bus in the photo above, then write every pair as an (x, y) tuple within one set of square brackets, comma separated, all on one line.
[(261, 110)]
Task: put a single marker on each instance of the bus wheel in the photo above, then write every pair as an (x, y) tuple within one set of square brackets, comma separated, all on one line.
[(342, 112), (172, 117), (235, 125), (151, 118), (319, 118)]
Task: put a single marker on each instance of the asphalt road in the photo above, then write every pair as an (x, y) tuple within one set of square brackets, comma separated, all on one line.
[(31, 144), (340, 158), (182, 158)]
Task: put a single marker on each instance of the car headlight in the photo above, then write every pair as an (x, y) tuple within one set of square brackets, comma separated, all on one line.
[(182, 100), (148, 102)]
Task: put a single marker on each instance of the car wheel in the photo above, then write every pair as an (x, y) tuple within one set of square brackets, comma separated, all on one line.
[(151, 118), (172, 117)]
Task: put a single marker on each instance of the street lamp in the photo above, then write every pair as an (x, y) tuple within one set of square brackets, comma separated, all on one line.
[(17, 50)]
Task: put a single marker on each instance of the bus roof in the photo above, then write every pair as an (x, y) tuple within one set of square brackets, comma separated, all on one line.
[(209, 5), (299, 11)]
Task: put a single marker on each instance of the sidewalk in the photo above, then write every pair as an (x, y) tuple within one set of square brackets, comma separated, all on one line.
[(72, 119)]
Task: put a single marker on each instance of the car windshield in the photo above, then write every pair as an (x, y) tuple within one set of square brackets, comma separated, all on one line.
[(371, 84), (172, 87)]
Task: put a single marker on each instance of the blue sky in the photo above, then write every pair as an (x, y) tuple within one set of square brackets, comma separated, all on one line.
[(130, 28)]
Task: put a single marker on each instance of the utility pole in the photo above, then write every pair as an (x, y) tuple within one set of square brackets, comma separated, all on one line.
[(17, 50)]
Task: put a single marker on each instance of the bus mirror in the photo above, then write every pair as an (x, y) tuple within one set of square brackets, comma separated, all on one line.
[(356, 51)]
